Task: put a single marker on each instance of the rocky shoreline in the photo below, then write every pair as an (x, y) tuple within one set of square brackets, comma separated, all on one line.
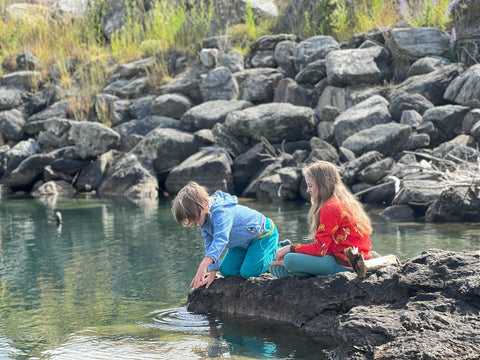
[(401, 122), (426, 308)]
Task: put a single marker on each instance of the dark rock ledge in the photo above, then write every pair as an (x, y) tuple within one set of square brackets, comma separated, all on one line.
[(427, 308)]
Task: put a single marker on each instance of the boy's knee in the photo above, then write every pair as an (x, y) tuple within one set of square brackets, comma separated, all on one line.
[(248, 273), (226, 271)]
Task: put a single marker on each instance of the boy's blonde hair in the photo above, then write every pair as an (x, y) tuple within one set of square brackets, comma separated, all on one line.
[(328, 183), (189, 202)]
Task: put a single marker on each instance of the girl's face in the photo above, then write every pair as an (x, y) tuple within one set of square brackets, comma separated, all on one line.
[(311, 186)]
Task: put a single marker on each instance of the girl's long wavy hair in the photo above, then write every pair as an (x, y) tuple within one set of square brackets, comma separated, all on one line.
[(329, 185)]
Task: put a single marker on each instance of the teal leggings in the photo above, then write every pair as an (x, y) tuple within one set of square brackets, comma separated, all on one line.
[(304, 265), (253, 260)]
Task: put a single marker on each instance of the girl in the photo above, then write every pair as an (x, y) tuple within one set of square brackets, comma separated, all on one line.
[(251, 238), (337, 221)]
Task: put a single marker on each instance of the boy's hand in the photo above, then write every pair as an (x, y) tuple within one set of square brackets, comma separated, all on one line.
[(200, 279), (211, 277)]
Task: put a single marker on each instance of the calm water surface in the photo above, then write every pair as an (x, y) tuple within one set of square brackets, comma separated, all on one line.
[(112, 281)]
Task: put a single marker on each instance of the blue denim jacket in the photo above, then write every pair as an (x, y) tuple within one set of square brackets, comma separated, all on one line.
[(229, 225)]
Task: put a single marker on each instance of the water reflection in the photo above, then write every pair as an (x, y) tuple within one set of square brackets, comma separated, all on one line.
[(93, 288)]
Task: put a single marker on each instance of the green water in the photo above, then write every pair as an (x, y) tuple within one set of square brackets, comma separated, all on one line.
[(112, 281)]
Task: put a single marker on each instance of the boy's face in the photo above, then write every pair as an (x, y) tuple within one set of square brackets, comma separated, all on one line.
[(200, 220)]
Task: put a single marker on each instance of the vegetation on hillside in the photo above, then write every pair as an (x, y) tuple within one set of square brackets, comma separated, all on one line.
[(171, 25)]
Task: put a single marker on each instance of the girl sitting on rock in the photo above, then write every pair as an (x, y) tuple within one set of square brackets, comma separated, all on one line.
[(337, 221), (250, 237)]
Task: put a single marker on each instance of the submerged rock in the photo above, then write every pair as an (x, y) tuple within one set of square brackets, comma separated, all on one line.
[(426, 308)]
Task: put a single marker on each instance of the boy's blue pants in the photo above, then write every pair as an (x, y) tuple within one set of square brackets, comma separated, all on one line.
[(255, 259)]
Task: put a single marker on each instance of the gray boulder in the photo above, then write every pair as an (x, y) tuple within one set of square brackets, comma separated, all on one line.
[(143, 126), (58, 109), (257, 85), (345, 98), (170, 105), (385, 138), (91, 176), (465, 89), (427, 64), (28, 80), (166, 148), (135, 68), (432, 86), (415, 43), (219, 84), (418, 194), (357, 66), (368, 113), (289, 91), (187, 83), (209, 167), (455, 204), (92, 139), (209, 113), (233, 61), (281, 186), (448, 118), (11, 125), (10, 97), (284, 56), (131, 178), (314, 48), (58, 188), (128, 88), (312, 73), (274, 122)]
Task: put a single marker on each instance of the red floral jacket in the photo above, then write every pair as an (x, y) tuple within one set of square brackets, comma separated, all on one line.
[(336, 233)]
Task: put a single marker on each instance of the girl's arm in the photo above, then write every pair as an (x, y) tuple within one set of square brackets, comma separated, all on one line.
[(330, 220)]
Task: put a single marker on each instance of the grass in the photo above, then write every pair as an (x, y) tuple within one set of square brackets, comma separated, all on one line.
[(168, 26)]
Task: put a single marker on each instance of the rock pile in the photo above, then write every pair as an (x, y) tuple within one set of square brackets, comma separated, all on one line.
[(385, 107)]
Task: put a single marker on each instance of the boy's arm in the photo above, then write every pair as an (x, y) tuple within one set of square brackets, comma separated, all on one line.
[(199, 278)]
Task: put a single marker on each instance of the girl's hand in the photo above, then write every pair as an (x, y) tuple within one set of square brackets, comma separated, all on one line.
[(280, 253)]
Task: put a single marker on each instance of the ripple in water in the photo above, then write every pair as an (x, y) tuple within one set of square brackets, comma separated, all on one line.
[(180, 320)]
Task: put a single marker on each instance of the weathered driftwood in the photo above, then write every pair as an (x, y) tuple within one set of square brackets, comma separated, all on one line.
[(362, 266)]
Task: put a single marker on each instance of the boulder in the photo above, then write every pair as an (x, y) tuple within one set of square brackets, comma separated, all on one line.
[(219, 84), (368, 113), (425, 307), (10, 97), (131, 178), (314, 48), (209, 167), (11, 125), (166, 148), (433, 85), (465, 88), (386, 138), (274, 122), (170, 105), (93, 139), (415, 43), (209, 113), (357, 66), (257, 85), (59, 188)]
